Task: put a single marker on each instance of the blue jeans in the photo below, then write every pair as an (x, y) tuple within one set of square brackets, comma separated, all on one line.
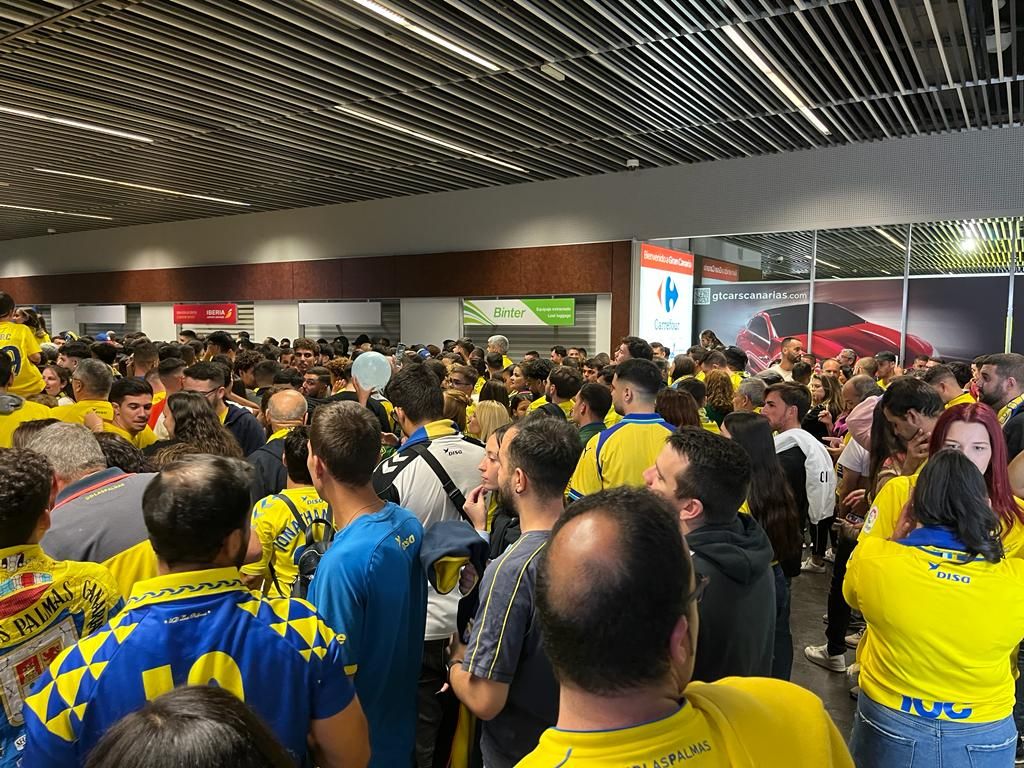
[(782, 658), (886, 738)]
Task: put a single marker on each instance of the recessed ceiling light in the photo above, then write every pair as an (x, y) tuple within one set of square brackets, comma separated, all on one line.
[(427, 137), (554, 73), (74, 124), (736, 36), (828, 263), (140, 186), (61, 213), (416, 29), (968, 244)]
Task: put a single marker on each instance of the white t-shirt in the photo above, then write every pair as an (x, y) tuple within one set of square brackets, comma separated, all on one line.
[(786, 375), (855, 458)]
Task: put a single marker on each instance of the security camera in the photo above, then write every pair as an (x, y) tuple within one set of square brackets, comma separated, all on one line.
[(632, 164)]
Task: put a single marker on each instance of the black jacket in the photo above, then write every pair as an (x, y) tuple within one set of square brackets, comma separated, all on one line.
[(1013, 431), (247, 431), (737, 613), (270, 476)]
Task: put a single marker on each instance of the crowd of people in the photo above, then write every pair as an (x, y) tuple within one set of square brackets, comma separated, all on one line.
[(223, 552)]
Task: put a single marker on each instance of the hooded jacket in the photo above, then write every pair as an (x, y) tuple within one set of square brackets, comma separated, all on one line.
[(737, 612)]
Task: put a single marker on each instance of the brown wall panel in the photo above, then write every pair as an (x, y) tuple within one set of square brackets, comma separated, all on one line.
[(566, 269), (621, 278)]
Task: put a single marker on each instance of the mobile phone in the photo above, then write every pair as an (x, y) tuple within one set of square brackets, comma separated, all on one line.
[(399, 354)]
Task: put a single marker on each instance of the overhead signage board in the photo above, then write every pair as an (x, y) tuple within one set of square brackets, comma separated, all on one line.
[(519, 312), (205, 314)]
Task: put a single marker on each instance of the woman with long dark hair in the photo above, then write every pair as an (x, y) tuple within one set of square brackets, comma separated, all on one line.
[(189, 418), (944, 615), (57, 384), (770, 502)]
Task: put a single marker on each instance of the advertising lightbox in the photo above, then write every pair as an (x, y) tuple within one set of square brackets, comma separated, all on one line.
[(665, 303)]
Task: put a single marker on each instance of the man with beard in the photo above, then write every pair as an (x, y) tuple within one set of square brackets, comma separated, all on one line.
[(198, 624), (503, 675), (791, 352), (1001, 385)]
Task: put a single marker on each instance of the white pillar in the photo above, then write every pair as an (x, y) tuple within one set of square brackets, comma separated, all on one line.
[(62, 318), (158, 322), (431, 321), (604, 324), (275, 318)]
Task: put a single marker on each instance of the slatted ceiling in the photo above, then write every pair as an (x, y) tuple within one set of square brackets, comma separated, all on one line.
[(238, 95), (246, 322), (936, 248), (390, 326)]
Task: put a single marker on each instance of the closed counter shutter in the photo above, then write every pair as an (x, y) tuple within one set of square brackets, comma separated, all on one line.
[(133, 318), (390, 326), (246, 322)]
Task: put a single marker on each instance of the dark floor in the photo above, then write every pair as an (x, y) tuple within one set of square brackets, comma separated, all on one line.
[(809, 600)]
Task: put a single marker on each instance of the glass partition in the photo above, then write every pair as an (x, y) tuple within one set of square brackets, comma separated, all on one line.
[(849, 285)]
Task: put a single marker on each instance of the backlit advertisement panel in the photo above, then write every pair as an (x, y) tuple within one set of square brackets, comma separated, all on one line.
[(666, 296)]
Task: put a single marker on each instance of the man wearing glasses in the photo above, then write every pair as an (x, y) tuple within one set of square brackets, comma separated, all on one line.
[(705, 478), (210, 380), (626, 692)]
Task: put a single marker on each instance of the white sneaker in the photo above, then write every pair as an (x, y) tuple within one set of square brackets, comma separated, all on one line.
[(853, 640), (818, 654), (808, 566), (830, 555)]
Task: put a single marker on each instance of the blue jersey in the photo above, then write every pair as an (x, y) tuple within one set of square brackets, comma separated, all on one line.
[(371, 587), (196, 628), (46, 606)]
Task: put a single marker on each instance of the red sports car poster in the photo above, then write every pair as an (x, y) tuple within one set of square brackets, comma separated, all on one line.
[(952, 317)]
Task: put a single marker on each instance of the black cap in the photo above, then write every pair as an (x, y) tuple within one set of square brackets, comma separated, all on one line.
[(885, 357)]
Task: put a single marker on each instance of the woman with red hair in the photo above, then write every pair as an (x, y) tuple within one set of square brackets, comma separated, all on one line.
[(972, 429)]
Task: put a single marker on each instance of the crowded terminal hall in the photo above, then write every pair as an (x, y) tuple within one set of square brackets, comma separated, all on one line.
[(498, 383), (387, 561)]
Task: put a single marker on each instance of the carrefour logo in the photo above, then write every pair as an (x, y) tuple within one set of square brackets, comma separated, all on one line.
[(668, 294)]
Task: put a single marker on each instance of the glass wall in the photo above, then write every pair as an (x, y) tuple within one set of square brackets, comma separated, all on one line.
[(940, 289)]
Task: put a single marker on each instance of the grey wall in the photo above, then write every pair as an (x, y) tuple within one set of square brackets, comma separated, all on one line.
[(953, 176)]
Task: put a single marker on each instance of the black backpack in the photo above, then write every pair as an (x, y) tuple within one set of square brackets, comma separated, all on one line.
[(308, 556)]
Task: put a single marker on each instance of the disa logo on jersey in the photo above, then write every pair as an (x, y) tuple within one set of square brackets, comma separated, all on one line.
[(668, 294)]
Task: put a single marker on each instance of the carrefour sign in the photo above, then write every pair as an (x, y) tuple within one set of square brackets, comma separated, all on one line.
[(666, 296)]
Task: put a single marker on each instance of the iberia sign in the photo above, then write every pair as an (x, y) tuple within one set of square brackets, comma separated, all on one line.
[(519, 312), (205, 314)]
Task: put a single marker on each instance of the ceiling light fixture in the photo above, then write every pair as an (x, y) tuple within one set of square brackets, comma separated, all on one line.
[(734, 34), (74, 124), (827, 263), (968, 244), (62, 213), (140, 186), (428, 137), (889, 237), (416, 29)]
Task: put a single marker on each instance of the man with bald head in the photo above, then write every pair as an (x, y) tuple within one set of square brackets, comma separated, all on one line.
[(502, 676), (617, 599), (286, 409)]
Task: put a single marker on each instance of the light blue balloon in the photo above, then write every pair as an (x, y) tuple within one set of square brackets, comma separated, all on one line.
[(372, 370)]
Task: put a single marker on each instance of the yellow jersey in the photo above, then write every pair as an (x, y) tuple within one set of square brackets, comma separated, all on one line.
[(280, 533), (964, 398), (884, 515), (9, 422), (919, 597), (733, 722), (20, 343), (612, 417), (540, 401), (75, 414), (142, 440), (620, 454)]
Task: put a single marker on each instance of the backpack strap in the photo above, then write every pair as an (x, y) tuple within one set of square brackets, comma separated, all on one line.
[(298, 518), (451, 490)]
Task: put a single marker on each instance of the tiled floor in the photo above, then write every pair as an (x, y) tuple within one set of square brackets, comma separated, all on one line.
[(810, 596)]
